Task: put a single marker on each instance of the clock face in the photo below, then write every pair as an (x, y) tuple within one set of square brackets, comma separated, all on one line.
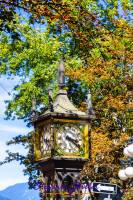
[(45, 140), (69, 138)]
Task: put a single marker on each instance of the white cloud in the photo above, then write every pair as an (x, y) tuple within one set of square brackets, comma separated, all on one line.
[(11, 174), (9, 182), (2, 103), (6, 87), (4, 96), (7, 83), (2, 150), (13, 148), (7, 128)]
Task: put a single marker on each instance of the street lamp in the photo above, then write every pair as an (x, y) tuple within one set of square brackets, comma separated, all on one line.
[(122, 174), (128, 151), (129, 172)]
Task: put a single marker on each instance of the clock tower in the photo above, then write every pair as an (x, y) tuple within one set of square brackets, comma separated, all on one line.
[(62, 143)]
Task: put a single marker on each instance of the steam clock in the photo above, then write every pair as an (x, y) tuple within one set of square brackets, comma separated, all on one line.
[(62, 142)]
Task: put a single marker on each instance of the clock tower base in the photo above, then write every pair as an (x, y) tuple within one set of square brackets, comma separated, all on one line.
[(62, 178)]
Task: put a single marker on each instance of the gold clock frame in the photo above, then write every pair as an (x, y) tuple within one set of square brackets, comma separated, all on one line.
[(56, 144), (53, 132)]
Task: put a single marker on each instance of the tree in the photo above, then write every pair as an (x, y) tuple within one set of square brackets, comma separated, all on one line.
[(34, 58), (128, 193), (7, 11)]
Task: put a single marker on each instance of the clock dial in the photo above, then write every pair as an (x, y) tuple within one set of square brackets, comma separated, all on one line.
[(45, 140), (69, 138)]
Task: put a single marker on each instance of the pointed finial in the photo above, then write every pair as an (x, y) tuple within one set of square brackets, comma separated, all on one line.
[(51, 100), (34, 106), (89, 99), (61, 74)]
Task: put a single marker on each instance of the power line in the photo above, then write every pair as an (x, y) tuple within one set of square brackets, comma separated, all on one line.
[(5, 90)]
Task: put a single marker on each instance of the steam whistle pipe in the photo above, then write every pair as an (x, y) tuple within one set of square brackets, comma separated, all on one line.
[(34, 106), (61, 74)]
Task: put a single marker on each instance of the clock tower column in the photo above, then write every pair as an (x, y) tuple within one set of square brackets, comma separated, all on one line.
[(62, 144)]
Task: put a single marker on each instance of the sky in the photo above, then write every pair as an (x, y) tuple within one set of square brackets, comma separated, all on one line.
[(10, 173)]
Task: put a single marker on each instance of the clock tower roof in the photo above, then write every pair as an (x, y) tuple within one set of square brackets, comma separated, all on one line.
[(64, 106)]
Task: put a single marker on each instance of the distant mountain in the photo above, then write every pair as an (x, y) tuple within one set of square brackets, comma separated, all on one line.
[(19, 191), (4, 198)]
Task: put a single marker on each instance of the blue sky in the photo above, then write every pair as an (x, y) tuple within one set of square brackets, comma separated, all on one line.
[(10, 173)]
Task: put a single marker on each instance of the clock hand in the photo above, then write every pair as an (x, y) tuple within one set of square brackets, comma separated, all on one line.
[(73, 141), (69, 138), (46, 140)]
